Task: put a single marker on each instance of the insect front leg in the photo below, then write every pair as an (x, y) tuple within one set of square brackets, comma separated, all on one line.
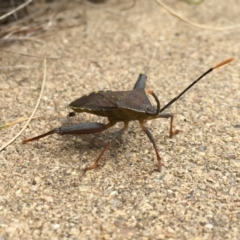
[(169, 115), (151, 138)]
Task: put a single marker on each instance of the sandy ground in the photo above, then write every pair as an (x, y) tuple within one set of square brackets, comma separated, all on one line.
[(44, 193)]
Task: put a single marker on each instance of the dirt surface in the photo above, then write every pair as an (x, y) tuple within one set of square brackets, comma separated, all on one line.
[(44, 193)]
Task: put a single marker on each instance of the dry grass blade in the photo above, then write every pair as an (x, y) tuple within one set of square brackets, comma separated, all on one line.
[(16, 9), (33, 56), (34, 111), (168, 9)]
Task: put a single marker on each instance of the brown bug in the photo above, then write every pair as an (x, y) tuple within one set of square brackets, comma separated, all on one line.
[(121, 106)]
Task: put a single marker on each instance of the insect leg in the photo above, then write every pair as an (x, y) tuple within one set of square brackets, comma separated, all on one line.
[(118, 133), (81, 128), (169, 115), (151, 138)]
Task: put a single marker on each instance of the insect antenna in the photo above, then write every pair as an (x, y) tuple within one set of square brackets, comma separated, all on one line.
[(193, 83), (157, 101)]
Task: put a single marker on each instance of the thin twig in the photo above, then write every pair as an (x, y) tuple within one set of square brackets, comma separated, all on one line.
[(28, 55), (130, 7), (15, 10), (34, 110), (102, 9), (168, 9), (9, 39), (10, 68), (5, 125)]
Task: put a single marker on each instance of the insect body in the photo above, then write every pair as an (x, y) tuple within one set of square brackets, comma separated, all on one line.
[(121, 106)]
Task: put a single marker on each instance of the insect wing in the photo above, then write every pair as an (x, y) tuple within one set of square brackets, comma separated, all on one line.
[(136, 100), (102, 100)]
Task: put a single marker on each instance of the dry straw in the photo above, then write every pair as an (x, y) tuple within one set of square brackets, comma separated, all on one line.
[(30, 20), (34, 110)]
